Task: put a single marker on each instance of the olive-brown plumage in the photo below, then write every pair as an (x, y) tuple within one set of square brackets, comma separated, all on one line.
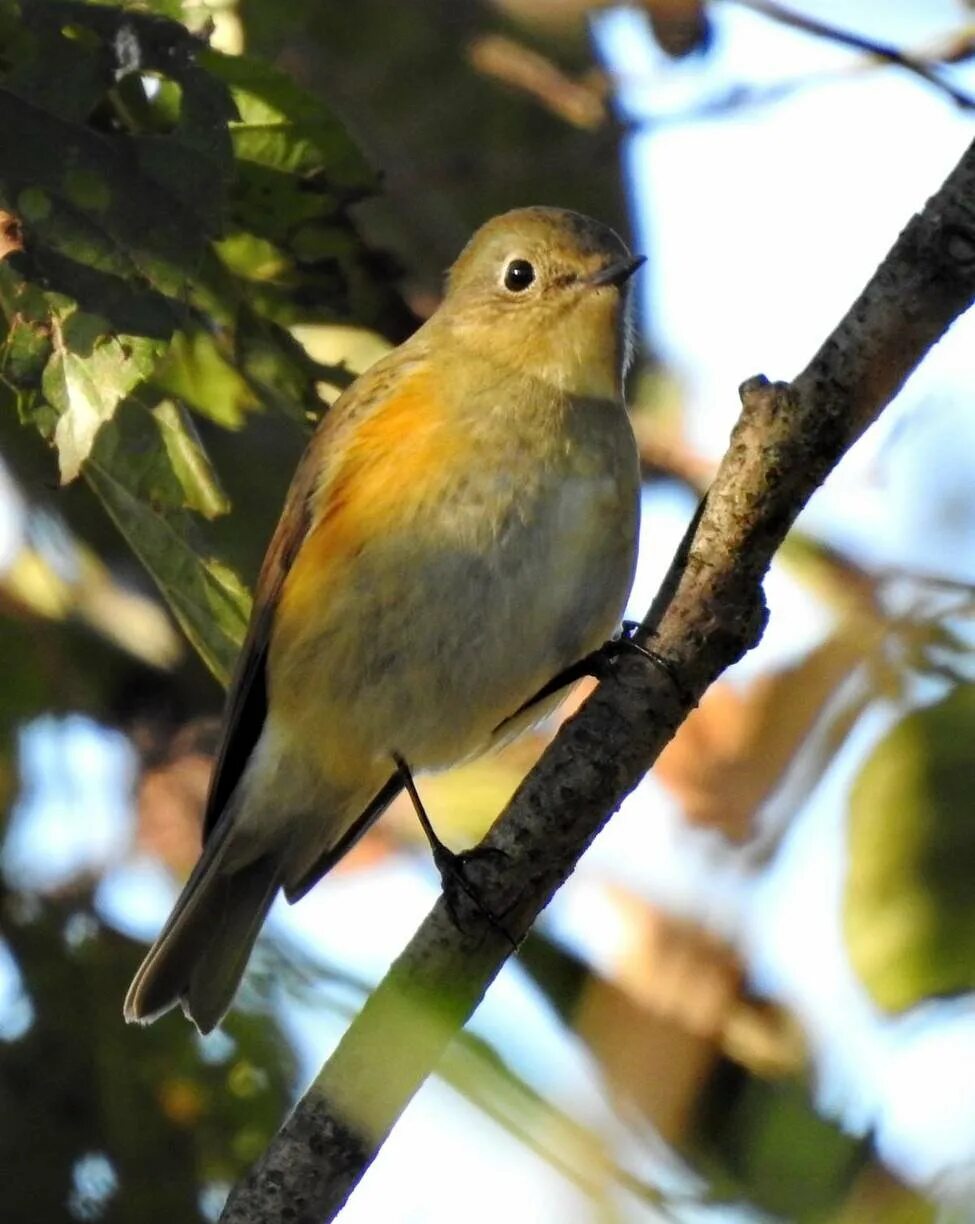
[(461, 529)]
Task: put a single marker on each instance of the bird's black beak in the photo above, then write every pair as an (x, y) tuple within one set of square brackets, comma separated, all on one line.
[(617, 273)]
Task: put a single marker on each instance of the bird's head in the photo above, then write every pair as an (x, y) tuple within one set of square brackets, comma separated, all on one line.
[(544, 290)]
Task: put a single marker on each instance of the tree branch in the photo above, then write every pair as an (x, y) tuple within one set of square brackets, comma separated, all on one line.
[(709, 612)]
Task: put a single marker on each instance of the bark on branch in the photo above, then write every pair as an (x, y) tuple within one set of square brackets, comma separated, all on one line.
[(709, 612)]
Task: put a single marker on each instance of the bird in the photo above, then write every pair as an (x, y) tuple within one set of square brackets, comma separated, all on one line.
[(460, 531)]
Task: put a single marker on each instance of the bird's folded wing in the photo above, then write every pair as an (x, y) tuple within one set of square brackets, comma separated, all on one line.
[(316, 475)]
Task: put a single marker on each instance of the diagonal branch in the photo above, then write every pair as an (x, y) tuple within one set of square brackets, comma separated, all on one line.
[(710, 611)]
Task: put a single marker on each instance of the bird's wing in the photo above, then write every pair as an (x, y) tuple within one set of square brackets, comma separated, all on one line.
[(246, 706), (247, 698)]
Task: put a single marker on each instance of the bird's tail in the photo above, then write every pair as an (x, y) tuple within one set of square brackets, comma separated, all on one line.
[(199, 957)]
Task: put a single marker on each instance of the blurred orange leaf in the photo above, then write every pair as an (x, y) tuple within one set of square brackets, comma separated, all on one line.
[(736, 746), (673, 1003), (579, 102), (170, 810), (11, 234)]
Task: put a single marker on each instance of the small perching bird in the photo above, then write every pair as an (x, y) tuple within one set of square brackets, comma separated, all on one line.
[(461, 530)]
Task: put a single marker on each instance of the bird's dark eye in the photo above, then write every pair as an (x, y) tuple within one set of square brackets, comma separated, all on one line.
[(518, 275)]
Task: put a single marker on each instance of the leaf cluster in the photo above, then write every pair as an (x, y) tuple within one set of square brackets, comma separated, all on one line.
[(170, 212)]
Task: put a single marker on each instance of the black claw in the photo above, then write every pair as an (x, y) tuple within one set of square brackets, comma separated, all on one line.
[(456, 880), (625, 644), (599, 665)]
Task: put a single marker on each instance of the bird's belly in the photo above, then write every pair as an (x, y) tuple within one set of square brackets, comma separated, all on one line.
[(512, 632), (435, 638)]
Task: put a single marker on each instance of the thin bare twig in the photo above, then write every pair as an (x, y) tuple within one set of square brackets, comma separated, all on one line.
[(711, 610), (872, 47)]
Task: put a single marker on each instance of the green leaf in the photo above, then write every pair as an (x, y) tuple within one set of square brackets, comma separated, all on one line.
[(767, 1143), (909, 906), (179, 210), (87, 377), (148, 469), (208, 600), (190, 463), (286, 127), (297, 171), (199, 373)]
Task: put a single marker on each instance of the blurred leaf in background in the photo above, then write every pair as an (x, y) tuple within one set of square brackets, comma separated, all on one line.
[(164, 1122), (909, 907), (169, 211), (175, 209)]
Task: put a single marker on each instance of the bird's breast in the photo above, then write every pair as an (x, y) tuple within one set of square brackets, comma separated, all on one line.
[(453, 574)]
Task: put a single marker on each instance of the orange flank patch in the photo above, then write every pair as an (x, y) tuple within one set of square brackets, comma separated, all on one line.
[(391, 463)]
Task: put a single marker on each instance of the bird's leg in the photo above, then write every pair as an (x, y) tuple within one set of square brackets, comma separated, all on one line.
[(597, 664), (444, 859), (452, 866)]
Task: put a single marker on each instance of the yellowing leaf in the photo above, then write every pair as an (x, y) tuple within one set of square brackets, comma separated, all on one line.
[(86, 379), (734, 749), (909, 904)]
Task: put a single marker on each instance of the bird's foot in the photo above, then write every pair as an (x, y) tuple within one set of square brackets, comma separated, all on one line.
[(455, 875), (625, 644), (460, 887)]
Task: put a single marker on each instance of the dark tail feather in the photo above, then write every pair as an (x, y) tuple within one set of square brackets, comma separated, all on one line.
[(199, 957), (296, 889)]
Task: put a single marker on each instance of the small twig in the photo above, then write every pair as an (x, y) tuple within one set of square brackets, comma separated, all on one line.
[(958, 47), (878, 50)]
